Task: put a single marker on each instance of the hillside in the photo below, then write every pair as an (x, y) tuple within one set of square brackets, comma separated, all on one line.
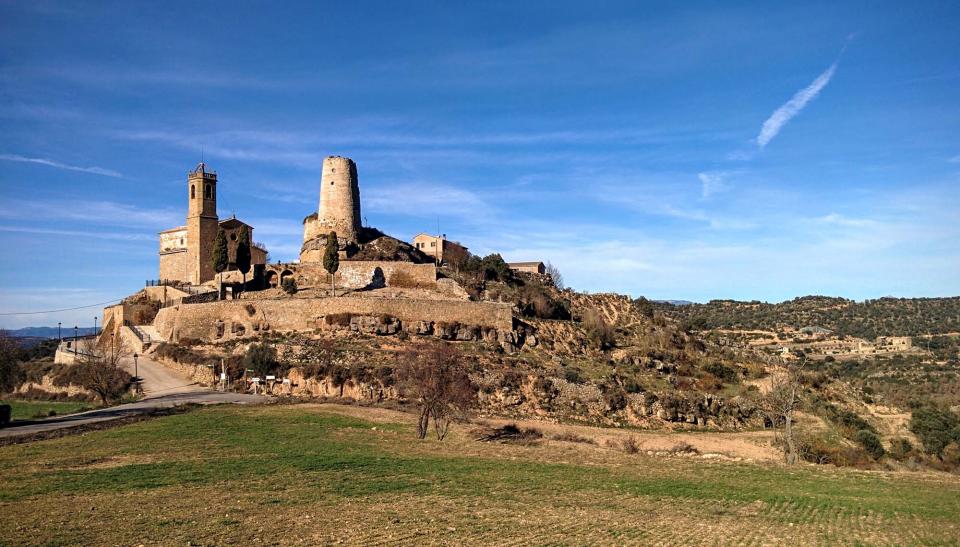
[(868, 319)]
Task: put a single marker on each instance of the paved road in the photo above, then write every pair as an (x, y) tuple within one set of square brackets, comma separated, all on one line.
[(162, 387)]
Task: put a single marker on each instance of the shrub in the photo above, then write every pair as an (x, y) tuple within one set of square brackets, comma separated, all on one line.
[(871, 443), (404, 280), (936, 428), (630, 445), (289, 285), (11, 375), (5, 413), (572, 375), (571, 437), (900, 448), (250, 309), (495, 268), (684, 447), (339, 319), (598, 331), (723, 372), (951, 456), (510, 433), (262, 359), (615, 398)]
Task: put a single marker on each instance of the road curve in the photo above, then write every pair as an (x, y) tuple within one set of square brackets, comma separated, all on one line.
[(162, 387)]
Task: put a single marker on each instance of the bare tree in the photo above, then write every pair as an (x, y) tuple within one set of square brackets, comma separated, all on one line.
[(554, 274), (98, 370), (11, 375), (782, 402), (435, 377)]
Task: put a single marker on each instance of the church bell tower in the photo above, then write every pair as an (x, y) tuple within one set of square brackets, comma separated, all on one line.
[(202, 223)]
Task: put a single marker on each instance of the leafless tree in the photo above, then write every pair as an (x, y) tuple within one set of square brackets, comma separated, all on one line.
[(10, 372), (554, 274), (435, 377), (782, 402), (98, 370)]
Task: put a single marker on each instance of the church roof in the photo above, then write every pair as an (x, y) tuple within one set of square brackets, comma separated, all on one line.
[(233, 223)]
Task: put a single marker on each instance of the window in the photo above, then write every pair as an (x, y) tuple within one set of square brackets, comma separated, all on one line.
[(433, 243), (208, 192), (193, 192)]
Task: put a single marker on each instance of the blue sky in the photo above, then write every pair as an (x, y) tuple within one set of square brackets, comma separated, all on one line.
[(689, 150)]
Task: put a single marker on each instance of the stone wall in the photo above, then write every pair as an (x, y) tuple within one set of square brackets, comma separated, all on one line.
[(173, 265), (356, 274), (244, 318)]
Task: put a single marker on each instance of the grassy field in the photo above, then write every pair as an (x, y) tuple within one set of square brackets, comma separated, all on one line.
[(314, 474), (28, 410)]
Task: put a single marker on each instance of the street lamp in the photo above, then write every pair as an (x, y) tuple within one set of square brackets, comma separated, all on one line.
[(60, 338), (94, 325), (76, 334), (136, 373)]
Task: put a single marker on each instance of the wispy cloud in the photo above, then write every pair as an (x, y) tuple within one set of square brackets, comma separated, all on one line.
[(426, 200), (58, 165), (955, 159), (791, 108), (115, 236), (107, 213), (712, 182)]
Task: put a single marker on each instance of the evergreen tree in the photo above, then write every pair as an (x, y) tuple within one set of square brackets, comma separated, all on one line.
[(220, 257), (243, 253), (331, 258)]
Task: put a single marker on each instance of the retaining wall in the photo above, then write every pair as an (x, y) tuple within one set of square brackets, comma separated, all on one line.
[(242, 318)]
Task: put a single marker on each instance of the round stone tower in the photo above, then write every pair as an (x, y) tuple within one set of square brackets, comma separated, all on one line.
[(339, 199)]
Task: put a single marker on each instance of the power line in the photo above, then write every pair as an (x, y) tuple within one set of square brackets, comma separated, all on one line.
[(60, 310)]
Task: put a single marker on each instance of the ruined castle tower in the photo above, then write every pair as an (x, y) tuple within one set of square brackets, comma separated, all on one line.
[(202, 224), (339, 209), (339, 198)]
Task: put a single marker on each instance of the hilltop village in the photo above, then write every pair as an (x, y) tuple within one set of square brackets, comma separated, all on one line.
[(541, 348), (359, 304)]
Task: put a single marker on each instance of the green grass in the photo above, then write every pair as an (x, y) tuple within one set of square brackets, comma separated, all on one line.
[(28, 410), (275, 464)]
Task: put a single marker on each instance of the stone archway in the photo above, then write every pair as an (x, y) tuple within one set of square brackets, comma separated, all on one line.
[(272, 279)]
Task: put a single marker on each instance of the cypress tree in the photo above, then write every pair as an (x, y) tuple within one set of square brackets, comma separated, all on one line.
[(220, 257), (243, 253), (331, 258)]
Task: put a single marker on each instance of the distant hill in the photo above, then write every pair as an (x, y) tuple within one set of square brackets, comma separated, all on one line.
[(674, 302), (867, 319), (47, 332)]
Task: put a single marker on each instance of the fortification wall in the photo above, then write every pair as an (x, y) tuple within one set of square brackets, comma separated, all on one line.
[(243, 318), (357, 274)]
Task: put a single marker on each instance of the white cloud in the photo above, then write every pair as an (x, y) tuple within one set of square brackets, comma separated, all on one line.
[(58, 165), (712, 182), (116, 236), (791, 108), (107, 213), (424, 200)]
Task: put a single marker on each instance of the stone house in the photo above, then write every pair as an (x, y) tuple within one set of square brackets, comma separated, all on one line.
[(528, 267), (440, 248)]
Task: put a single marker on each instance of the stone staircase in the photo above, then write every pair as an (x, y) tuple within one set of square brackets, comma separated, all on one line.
[(143, 337)]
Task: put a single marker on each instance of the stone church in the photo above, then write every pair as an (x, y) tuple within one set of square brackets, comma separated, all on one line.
[(186, 252)]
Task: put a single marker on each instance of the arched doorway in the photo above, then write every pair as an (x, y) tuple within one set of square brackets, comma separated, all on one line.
[(271, 279)]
